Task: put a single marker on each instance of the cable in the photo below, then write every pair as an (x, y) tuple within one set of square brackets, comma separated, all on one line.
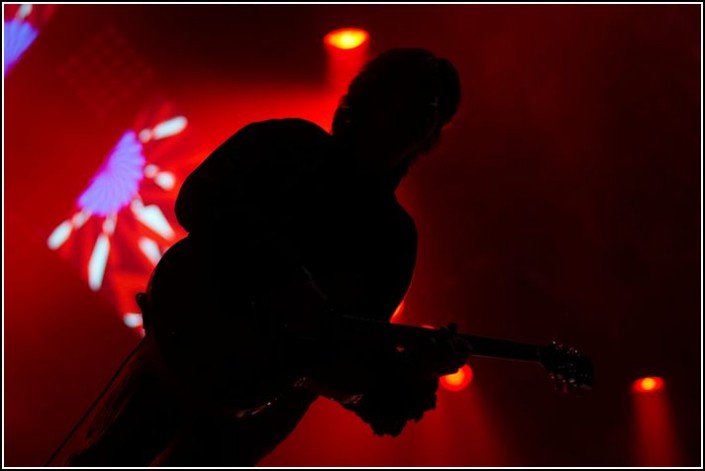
[(94, 404)]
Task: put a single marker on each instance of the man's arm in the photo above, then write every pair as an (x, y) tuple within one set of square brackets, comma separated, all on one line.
[(367, 374), (258, 166)]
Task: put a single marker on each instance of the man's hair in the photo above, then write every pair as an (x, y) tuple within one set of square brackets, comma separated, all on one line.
[(422, 79)]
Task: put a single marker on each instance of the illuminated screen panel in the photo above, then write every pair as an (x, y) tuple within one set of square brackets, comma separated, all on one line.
[(123, 220), (21, 26)]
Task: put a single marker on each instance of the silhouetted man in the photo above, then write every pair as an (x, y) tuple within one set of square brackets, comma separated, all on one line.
[(289, 228)]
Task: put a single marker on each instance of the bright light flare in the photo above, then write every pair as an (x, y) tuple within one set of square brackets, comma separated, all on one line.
[(132, 319), (346, 38), (459, 380), (397, 312), (648, 384)]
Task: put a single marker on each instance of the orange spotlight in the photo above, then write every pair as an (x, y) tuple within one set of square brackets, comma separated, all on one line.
[(346, 38), (458, 380), (648, 384), (655, 439)]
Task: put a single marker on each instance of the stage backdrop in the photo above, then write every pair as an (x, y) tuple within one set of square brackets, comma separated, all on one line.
[(563, 203)]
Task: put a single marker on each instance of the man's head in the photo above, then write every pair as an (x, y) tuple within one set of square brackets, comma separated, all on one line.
[(395, 108)]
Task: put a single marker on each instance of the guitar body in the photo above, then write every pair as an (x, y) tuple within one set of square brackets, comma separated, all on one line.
[(213, 335)]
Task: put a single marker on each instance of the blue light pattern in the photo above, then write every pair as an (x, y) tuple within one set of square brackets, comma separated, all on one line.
[(117, 181), (19, 35)]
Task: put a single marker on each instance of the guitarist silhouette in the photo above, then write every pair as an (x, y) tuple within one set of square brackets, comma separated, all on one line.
[(291, 230)]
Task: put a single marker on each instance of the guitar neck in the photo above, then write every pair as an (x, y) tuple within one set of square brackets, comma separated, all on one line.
[(407, 334), (500, 348)]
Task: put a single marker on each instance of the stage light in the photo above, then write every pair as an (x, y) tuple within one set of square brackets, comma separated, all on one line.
[(458, 380), (123, 221), (133, 319), (655, 440), (648, 384), (21, 26), (115, 186), (346, 38), (19, 35), (117, 180), (347, 50)]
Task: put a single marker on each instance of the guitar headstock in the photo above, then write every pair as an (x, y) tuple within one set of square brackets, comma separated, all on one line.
[(571, 370)]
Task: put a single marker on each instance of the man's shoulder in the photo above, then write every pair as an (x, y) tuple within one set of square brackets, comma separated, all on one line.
[(286, 123), (283, 129)]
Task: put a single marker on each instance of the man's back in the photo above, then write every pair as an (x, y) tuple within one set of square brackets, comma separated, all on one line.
[(276, 196)]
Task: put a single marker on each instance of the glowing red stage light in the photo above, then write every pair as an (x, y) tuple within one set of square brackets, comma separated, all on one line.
[(346, 38), (648, 384), (458, 380)]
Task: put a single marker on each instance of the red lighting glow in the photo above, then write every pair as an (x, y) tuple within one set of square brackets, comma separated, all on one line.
[(346, 38), (397, 312), (648, 385), (458, 380)]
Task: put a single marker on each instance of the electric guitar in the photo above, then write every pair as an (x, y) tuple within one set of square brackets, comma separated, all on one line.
[(246, 351), (571, 370)]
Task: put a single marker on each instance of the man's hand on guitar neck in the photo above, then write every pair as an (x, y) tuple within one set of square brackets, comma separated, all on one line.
[(385, 385)]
